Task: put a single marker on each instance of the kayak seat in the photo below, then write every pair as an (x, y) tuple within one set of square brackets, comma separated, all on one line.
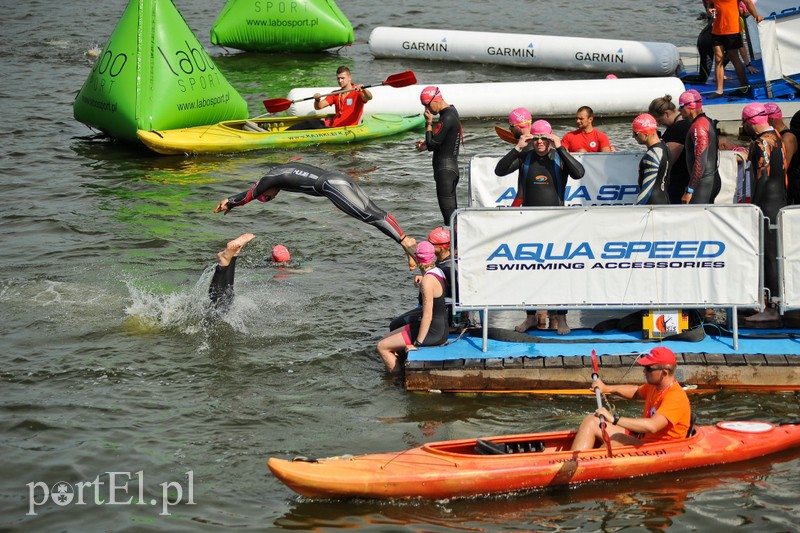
[(692, 432), (251, 126), (487, 447)]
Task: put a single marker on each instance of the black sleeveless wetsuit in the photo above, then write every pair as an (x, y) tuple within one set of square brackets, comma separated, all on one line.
[(337, 187), (654, 176), (439, 330), (793, 170), (445, 143), (702, 155), (678, 172), (768, 173)]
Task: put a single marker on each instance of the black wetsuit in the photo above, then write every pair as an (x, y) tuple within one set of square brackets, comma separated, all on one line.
[(541, 181), (678, 172), (450, 289), (654, 176), (793, 166), (439, 330), (768, 174), (445, 143), (220, 291), (702, 156), (336, 186)]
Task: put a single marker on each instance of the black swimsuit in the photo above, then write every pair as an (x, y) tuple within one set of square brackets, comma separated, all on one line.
[(337, 187), (439, 330)]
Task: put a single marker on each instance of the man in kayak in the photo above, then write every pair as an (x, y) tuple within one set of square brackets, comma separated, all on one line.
[(336, 186), (667, 413), (445, 143), (586, 138), (348, 105)]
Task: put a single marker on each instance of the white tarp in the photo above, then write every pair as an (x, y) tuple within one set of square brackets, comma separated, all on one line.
[(611, 179), (526, 50), (780, 44), (632, 256), (789, 256)]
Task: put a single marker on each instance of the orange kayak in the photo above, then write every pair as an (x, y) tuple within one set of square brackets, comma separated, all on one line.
[(470, 467)]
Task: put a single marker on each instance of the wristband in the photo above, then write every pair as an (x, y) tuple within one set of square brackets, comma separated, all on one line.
[(616, 420), (689, 190), (416, 343)]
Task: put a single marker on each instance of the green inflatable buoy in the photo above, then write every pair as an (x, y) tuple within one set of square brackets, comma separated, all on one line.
[(153, 74), (281, 26)]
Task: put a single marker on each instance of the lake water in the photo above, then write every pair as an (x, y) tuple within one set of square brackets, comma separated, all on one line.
[(111, 364)]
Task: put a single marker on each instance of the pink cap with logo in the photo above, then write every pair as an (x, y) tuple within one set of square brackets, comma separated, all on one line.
[(644, 123), (691, 99), (425, 253), (519, 117), (773, 110), (754, 113), (429, 94), (541, 127)]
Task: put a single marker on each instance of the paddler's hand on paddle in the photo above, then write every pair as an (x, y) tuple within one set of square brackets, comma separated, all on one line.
[(223, 206), (598, 384), (604, 413)]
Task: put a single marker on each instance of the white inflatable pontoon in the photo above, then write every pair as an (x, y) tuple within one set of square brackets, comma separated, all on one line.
[(534, 51)]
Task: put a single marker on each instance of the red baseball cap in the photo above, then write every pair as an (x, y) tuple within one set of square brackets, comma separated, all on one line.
[(660, 355)]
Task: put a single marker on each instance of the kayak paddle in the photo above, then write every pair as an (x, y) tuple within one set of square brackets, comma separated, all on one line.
[(595, 375), (402, 79)]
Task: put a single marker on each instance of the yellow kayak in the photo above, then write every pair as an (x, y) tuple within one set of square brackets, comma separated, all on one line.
[(259, 133)]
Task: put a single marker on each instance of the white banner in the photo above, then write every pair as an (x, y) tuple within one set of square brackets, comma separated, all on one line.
[(789, 256), (633, 256), (611, 179), (780, 45)]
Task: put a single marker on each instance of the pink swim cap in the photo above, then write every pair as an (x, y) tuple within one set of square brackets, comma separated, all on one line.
[(430, 94), (280, 254), (439, 237), (773, 110), (541, 127), (519, 117), (644, 123), (425, 253), (611, 77), (754, 113), (691, 99)]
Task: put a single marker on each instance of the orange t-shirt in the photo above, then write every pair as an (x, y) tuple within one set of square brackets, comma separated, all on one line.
[(727, 20), (349, 108), (672, 404)]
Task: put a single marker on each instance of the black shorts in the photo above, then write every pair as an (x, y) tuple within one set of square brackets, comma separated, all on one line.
[(729, 42)]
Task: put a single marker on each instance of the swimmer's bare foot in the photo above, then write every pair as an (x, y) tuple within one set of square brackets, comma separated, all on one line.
[(769, 314), (528, 323), (233, 247), (561, 325)]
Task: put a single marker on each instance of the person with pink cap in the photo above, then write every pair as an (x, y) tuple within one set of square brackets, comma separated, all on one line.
[(432, 328), (344, 192), (586, 138), (726, 31), (445, 142), (789, 139), (654, 166), (520, 121), (667, 413), (542, 180), (702, 151), (768, 180)]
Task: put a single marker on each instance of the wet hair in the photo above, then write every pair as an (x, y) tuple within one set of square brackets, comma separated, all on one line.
[(586, 108), (342, 69), (659, 106)]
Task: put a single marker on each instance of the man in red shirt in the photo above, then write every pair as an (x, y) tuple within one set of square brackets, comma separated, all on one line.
[(586, 138), (667, 413), (348, 105)]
